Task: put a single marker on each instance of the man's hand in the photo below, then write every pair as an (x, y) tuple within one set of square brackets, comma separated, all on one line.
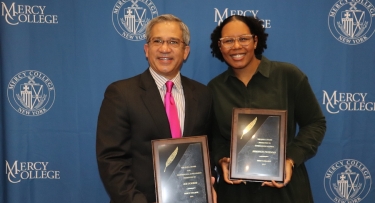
[(224, 162)]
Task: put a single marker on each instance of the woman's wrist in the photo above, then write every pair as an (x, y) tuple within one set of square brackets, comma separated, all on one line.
[(291, 162)]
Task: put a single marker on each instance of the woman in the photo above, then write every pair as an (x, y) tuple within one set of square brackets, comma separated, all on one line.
[(253, 81)]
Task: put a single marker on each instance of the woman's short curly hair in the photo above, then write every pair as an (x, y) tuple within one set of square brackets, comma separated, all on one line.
[(256, 27)]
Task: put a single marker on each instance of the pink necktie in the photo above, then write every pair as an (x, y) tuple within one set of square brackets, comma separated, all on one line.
[(171, 109)]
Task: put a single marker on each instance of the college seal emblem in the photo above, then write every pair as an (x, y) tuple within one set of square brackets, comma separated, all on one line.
[(31, 93), (130, 17), (347, 181), (350, 21)]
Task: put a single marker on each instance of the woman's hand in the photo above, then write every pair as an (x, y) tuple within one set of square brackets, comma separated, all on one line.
[(214, 197), (289, 165), (224, 163)]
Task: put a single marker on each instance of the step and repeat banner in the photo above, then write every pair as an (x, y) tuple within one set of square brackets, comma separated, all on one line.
[(58, 56)]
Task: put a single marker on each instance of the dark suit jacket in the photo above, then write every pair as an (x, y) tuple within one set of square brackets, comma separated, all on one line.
[(132, 114)]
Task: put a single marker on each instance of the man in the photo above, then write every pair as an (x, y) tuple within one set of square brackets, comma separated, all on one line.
[(132, 113)]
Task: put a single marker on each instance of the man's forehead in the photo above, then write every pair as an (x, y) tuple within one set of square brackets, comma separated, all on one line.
[(162, 29)]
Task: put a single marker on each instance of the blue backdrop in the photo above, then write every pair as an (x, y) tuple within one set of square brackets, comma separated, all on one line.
[(57, 57)]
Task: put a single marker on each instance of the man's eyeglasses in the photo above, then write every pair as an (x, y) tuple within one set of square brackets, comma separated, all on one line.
[(228, 42), (175, 43)]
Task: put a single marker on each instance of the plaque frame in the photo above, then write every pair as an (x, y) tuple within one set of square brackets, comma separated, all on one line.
[(264, 114), (202, 140)]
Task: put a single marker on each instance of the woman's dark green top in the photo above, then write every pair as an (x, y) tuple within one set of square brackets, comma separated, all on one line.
[(275, 85)]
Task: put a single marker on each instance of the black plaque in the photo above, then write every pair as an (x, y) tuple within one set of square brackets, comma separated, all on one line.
[(181, 169), (258, 144)]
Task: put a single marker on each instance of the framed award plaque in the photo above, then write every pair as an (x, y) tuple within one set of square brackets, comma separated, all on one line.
[(182, 170), (258, 144)]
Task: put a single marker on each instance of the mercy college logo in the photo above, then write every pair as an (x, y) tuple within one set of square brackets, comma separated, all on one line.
[(221, 16), (15, 14), (340, 101), (31, 93), (347, 181), (29, 171), (130, 17), (350, 21)]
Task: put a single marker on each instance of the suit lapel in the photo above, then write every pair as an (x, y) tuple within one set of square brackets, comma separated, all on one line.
[(190, 106), (154, 104)]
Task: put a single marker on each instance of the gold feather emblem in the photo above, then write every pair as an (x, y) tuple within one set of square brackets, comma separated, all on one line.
[(249, 127), (171, 158)]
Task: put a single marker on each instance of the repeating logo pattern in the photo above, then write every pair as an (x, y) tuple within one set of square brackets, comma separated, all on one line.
[(347, 181), (35, 14), (347, 101), (350, 22), (31, 93), (221, 15), (130, 17), (19, 171)]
